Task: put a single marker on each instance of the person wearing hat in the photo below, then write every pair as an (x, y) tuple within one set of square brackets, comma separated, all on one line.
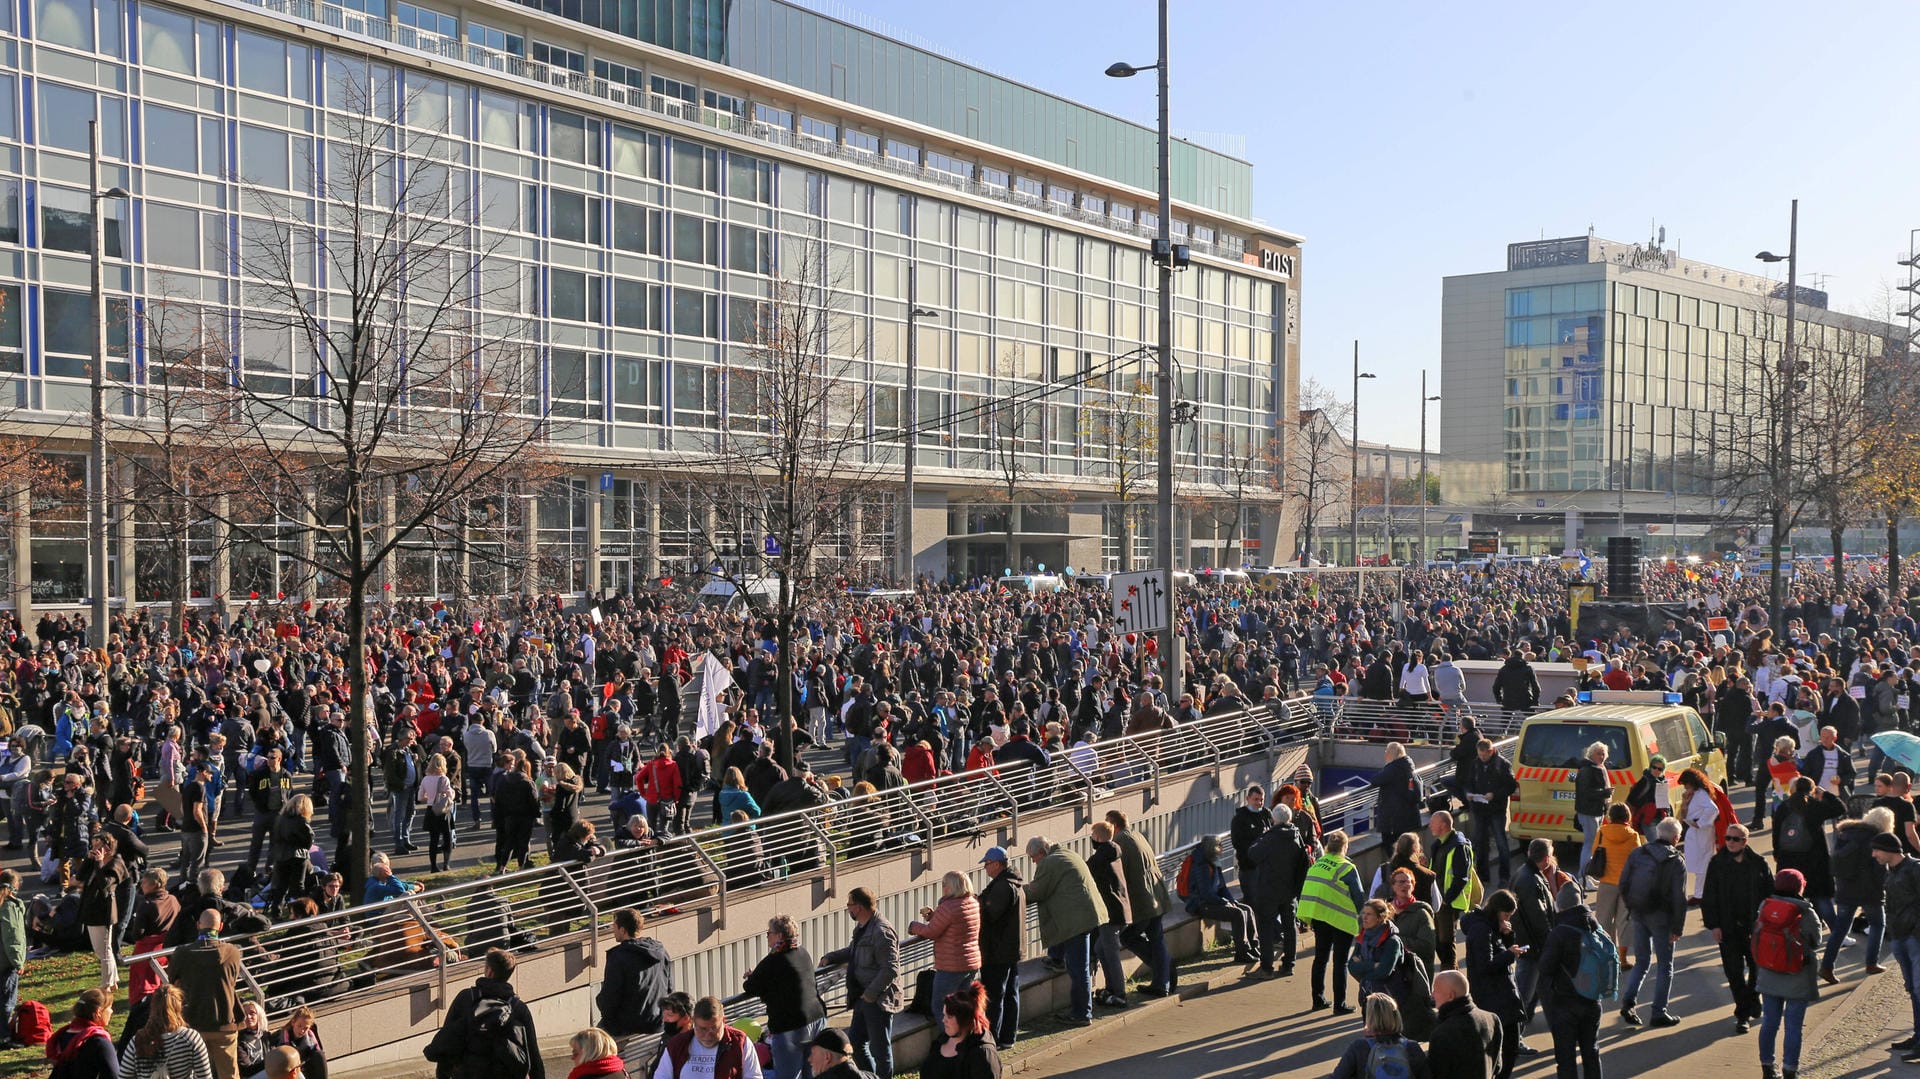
[(830, 1056), (1573, 1018), (1738, 879), (1785, 994), (1003, 921), (1903, 927)]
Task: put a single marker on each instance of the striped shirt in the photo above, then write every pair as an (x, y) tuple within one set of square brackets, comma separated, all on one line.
[(184, 1054)]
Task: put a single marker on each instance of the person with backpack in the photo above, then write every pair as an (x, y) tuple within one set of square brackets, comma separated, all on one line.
[(1382, 1051), (1800, 840), (489, 1031), (1489, 955), (1738, 879), (1330, 902), (1203, 889), (639, 975), (1654, 886), (1859, 885), (1579, 970), (1617, 841), (1786, 938)]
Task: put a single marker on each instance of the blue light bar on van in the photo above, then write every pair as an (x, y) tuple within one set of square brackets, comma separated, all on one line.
[(1626, 696)]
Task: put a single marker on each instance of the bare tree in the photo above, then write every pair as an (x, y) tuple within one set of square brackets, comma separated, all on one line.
[(1314, 472), (1844, 373), (1245, 464), (385, 372), (1120, 417), (798, 464)]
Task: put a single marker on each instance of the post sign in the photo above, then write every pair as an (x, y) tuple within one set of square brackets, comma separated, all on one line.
[(1140, 600)]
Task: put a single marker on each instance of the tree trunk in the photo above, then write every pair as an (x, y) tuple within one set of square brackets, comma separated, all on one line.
[(359, 789), (1126, 538), (1837, 534), (783, 729), (1894, 591), (182, 568)]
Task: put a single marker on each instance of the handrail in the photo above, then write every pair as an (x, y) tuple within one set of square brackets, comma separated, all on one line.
[(933, 805)]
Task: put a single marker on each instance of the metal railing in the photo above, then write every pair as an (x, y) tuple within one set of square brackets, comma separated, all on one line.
[(1431, 724), (347, 20), (433, 935)]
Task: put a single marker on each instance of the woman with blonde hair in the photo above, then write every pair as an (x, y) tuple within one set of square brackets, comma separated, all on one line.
[(166, 1042), (594, 1053), (1383, 1037), (291, 848), (436, 793), (954, 929)]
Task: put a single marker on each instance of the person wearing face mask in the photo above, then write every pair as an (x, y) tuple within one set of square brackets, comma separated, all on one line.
[(711, 1048)]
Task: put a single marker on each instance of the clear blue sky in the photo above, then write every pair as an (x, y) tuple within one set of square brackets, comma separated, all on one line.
[(1410, 141)]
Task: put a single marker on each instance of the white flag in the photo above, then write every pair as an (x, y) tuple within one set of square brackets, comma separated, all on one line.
[(714, 680)]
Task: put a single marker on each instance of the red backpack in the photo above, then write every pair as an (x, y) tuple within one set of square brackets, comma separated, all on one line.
[(31, 1023), (1183, 884), (1776, 937)]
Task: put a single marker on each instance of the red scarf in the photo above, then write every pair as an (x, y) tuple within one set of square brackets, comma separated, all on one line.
[(603, 1066), (71, 1047)]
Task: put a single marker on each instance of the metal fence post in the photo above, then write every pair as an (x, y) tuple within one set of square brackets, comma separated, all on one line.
[(833, 856), (1213, 748), (1013, 804), (700, 852), (593, 915), (412, 907), (926, 823)]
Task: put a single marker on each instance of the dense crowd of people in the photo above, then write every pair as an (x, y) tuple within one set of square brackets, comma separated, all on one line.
[(226, 740)]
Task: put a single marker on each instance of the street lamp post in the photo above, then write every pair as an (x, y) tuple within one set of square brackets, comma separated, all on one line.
[(97, 583), (1424, 398), (1167, 258), (912, 416), (1789, 373), (1353, 455)]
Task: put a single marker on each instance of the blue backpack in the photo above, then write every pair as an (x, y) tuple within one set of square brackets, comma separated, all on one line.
[(1598, 976), (1389, 1061)]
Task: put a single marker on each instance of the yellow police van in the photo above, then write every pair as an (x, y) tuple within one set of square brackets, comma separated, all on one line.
[(1634, 725)]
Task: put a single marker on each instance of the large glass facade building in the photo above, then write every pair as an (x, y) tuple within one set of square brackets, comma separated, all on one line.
[(641, 171), (1595, 386)]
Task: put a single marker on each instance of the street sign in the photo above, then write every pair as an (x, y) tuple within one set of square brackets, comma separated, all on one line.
[(606, 481), (1140, 600)]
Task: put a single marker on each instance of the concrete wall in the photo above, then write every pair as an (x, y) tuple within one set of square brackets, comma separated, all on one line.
[(713, 949)]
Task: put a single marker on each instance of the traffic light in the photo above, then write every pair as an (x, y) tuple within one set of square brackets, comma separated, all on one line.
[(1623, 566)]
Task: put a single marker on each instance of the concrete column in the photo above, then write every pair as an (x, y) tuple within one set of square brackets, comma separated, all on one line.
[(220, 568), (530, 545), (301, 588), (463, 556), (22, 540), (389, 566), (709, 528), (1572, 538), (126, 582), (596, 510), (651, 559)]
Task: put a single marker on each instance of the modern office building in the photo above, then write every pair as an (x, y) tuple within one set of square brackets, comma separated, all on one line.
[(644, 165), (1594, 388)]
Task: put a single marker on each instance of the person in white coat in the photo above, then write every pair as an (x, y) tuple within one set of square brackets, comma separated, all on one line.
[(1699, 815)]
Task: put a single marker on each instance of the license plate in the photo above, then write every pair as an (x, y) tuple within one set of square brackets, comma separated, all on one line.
[(1563, 796)]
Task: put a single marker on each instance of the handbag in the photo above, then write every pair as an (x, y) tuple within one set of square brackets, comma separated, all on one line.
[(1596, 866)]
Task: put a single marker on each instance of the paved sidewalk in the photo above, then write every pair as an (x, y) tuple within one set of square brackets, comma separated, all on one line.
[(1251, 1030)]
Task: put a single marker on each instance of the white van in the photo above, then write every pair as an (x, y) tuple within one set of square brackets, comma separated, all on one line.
[(1038, 584), (765, 593)]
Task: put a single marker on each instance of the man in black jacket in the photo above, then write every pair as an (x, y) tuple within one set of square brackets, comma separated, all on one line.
[(1533, 887), (1465, 1042), (489, 1031), (1250, 822), (1488, 791), (1398, 810), (1737, 880), (1574, 1018), (1003, 912), (1279, 866), (1516, 688), (236, 919), (639, 975)]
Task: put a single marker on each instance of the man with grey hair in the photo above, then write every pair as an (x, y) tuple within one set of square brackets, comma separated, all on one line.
[(1277, 864), (1653, 884), (1068, 903)]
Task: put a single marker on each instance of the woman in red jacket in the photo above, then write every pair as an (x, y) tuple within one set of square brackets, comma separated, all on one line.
[(659, 783), (918, 764)]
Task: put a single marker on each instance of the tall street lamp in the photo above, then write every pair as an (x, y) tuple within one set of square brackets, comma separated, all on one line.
[(1776, 592), (1424, 398), (914, 314), (97, 488), (1167, 257), (1353, 455)]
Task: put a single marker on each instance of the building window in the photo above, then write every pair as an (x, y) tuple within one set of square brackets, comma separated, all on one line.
[(773, 117), (415, 17), (575, 217), (87, 25), (621, 74), (575, 138), (636, 228), (822, 130), (863, 142), (636, 305), (674, 88), (726, 104), (749, 179), (498, 40), (556, 57), (903, 151), (949, 165), (1030, 187)]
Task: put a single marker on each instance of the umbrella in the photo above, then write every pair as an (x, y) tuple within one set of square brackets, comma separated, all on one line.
[(1900, 746)]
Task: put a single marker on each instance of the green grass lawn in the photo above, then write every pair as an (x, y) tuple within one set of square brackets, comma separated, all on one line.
[(55, 982)]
